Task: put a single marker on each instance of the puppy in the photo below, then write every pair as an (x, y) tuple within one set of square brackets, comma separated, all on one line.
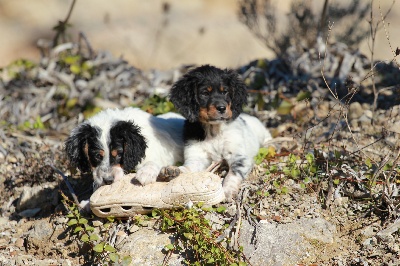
[(115, 142), (211, 100)]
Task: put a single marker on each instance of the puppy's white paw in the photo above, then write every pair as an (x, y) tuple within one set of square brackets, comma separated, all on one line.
[(117, 172), (148, 173), (231, 186)]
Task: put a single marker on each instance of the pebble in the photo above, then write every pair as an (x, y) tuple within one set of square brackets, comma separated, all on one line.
[(368, 231), (134, 228), (368, 113), (386, 238), (366, 106), (3, 220), (368, 242), (19, 242), (97, 223), (355, 110), (11, 159), (364, 120)]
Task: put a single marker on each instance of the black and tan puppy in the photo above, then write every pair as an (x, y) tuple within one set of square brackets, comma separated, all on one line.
[(211, 99)]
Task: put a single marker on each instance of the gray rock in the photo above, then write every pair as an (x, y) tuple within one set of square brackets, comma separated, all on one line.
[(269, 244), (359, 261), (41, 230), (315, 229), (368, 113), (394, 227), (368, 242), (146, 247), (395, 127), (3, 221), (284, 244), (38, 238), (355, 110), (366, 106), (368, 231)]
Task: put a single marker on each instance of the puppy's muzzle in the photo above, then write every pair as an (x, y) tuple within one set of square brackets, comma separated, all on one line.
[(116, 173), (106, 175)]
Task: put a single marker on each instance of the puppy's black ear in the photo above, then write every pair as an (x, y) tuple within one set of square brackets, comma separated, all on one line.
[(184, 96), (77, 143), (128, 135), (238, 90)]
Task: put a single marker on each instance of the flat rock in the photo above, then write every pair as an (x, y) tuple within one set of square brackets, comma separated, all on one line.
[(146, 247), (284, 244), (355, 110)]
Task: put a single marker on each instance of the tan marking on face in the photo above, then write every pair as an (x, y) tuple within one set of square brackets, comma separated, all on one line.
[(203, 115), (86, 152), (209, 89), (101, 152), (221, 89), (228, 111), (213, 113), (114, 153)]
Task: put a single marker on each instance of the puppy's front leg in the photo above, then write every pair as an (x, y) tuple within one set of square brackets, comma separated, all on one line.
[(196, 160), (239, 168), (148, 173)]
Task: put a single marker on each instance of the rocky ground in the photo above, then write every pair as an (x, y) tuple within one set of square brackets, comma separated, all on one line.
[(326, 193)]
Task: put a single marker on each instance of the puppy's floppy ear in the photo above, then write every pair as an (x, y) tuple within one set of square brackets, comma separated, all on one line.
[(75, 145), (184, 96), (134, 144), (238, 90)]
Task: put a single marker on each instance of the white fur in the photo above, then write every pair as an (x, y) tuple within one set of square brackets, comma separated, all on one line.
[(238, 140), (163, 135)]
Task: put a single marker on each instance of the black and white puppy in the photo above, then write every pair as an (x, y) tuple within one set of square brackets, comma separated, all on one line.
[(211, 99), (115, 142)]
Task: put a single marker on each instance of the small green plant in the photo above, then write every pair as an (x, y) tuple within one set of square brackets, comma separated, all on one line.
[(305, 170), (77, 65), (194, 233), (264, 153), (18, 68), (279, 187), (102, 252), (157, 105), (37, 124)]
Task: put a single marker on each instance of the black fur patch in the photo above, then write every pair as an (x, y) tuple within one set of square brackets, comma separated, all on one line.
[(82, 137), (237, 167), (127, 139), (193, 131)]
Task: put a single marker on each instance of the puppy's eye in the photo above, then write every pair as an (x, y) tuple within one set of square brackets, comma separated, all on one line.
[(99, 157), (205, 93)]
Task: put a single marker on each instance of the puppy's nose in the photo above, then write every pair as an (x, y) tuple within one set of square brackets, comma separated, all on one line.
[(221, 108), (109, 180)]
